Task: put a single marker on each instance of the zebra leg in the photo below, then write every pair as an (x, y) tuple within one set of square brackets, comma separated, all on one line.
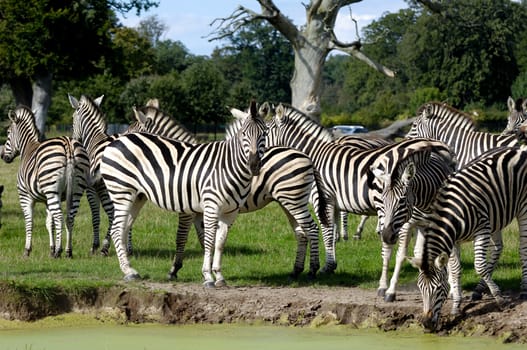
[(522, 223), (107, 206), (51, 232), (404, 240), (454, 279), (328, 240), (301, 251), (185, 221), (57, 219), (343, 227), (27, 205), (386, 254), (94, 202), (481, 243), (495, 253), (360, 228), (224, 222)]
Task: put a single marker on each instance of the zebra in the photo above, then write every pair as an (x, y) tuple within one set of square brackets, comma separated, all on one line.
[(50, 171), (474, 204), (517, 115), (89, 127), (286, 176), (444, 123), (211, 178), (409, 185), (345, 171)]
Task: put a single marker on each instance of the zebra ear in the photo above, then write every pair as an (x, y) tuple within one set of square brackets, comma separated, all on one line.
[(524, 105), (11, 115), (441, 260), (73, 101), (98, 100), (139, 116), (510, 104), (264, 110), (153, 102), (252, 109), (409, 173), (279, 111)]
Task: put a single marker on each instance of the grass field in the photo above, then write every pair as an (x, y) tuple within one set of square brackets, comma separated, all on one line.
[(260, 250)]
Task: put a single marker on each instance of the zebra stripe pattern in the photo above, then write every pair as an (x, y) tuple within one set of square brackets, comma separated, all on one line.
[(211, 178), (286, 176), (410, 183), (49, 171), (475, 204), (517, 115)]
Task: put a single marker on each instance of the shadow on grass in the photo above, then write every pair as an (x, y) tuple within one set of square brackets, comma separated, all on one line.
[(233, 250)]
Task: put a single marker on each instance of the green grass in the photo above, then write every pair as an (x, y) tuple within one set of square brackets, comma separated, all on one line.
[(260, 250)]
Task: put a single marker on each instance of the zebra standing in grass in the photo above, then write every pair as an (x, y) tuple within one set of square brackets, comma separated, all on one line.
[(345, 170), (445, 123), (89, 127), (286, 176), (50, 171), (409, 184), (211, 178), (517, 115), (475, 204)]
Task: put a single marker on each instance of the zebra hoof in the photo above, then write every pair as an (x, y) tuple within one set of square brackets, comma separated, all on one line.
[(476, 296), (381, 292), (357, 237), (523, 295), (311, 276), (132, 277), (208, 284), (389, 298), (104, 252), (27, 252), (220, 283), (172, 276)]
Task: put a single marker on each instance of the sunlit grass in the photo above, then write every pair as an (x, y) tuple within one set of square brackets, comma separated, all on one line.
[(260, 250)]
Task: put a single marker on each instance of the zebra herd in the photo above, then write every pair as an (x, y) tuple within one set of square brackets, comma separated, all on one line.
[(447, 180)]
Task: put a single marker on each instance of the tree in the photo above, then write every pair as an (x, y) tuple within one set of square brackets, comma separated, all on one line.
[(41, 40), (311, 43)]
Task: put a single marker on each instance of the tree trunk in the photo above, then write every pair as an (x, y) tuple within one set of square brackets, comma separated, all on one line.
[(41, 100), (22, 91)]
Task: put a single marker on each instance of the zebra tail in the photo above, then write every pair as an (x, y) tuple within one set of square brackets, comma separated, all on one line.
[(70, 177), (323, 214)]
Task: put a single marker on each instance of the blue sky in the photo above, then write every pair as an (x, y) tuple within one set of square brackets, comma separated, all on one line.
[(189, 20)]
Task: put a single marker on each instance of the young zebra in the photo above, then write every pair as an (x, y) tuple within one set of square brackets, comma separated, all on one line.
[(517, 115), (345, 170), (211, 178), (409, 184), (475, 204), (89, 127), (50, 171), (286, 176), (445, 123)]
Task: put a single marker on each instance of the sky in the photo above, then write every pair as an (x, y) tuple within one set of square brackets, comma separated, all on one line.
[(189, 21)]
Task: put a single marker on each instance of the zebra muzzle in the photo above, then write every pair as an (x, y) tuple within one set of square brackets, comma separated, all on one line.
[(255, 164)]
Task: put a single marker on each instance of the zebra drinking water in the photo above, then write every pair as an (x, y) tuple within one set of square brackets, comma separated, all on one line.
[(50, 171), (474, 204), (212, 178)]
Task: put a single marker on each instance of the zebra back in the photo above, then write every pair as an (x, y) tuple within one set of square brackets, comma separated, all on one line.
[(445, 123), (517, 115)]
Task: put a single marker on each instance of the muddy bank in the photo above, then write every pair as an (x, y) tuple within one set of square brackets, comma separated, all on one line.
[(303, 306)]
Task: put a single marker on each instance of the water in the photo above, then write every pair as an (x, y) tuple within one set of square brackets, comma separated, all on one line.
[(231, 337)]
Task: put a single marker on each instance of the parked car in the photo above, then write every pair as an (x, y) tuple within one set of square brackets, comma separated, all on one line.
[(341, 130)]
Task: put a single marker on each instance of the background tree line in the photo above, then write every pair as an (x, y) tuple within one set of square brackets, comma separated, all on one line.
[(469, 53)]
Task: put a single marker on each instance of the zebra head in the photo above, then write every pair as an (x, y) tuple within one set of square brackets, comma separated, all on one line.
[(252, 136), (432, 280), (21, 130), (397, 198), (517, 115), (87, 113)]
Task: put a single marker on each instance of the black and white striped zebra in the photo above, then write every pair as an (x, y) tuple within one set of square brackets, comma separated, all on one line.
[(517, 115), (50, 171), (410, 183), (345, 170), (475, 204), (286, 176), (89, 127), (212, 178)]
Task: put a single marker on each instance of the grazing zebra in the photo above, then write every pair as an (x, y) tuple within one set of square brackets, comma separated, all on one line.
[(212, 178), (50, 171), (517, 115), (89, 127), (409, 183), (445, 123), (475, 204), (286, 176), (359, 142), (345, 171)]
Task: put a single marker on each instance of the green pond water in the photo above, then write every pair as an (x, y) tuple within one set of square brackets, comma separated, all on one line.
[(76, 336)]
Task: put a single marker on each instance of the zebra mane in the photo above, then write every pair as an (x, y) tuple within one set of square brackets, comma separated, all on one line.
[(24, 114), (443, 113), (301, 122)]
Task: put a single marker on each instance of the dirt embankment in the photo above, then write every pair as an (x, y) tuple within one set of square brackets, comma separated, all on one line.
[(302, 306)]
